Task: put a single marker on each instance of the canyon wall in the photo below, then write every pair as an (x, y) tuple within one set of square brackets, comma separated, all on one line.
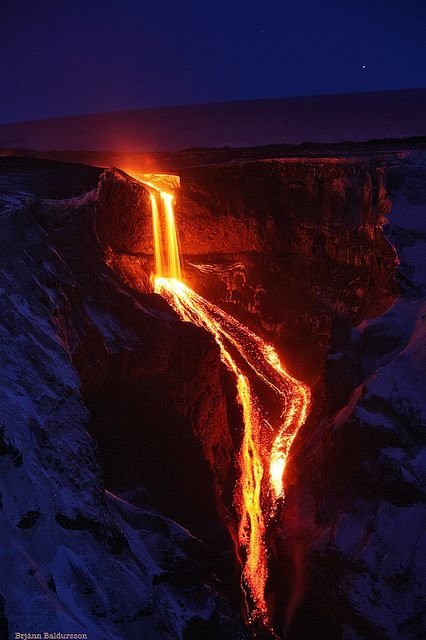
[(352, 531), (299, 250), (291, 246), (299, 245)]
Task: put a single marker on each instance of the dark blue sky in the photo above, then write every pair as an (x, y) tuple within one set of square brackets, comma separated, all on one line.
[(65, 57)]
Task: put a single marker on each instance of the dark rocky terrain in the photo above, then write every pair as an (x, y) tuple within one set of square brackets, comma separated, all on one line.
[(81, 353), (322, 255)]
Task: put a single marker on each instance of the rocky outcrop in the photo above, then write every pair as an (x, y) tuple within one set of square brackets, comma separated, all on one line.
[(124, 222), (152, 384)]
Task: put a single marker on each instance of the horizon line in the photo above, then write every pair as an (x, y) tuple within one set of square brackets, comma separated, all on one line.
[(204, 104)]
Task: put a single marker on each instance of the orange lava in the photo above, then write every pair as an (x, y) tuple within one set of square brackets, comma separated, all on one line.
[(265, 447)]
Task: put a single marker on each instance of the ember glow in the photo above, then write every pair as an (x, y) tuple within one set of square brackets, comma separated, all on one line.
[(255, 364)]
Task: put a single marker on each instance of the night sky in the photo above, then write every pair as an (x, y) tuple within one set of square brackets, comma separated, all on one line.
[(63, 57)]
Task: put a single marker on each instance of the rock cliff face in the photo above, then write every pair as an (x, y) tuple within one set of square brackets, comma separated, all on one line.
[(299, 245), (354, 527), (291, 246)]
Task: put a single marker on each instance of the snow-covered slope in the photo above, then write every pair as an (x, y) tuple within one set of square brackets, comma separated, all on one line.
[(362, 486)]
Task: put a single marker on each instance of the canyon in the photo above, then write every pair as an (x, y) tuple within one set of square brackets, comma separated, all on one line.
[(120, 420)]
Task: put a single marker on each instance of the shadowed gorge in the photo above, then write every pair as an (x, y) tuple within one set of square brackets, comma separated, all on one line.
[(224, 239), (243, 341), (255, 501)]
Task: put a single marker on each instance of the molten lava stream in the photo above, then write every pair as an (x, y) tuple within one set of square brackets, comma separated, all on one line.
[(265, 447)]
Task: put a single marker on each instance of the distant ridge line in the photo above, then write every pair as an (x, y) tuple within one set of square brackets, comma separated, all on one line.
[(190, 105), (315, 119)]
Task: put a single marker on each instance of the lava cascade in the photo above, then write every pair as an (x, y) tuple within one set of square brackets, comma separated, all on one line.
[(265, 445)]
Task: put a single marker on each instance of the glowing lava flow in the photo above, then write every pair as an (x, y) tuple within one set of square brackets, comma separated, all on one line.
[(156, 232), (265, 447), (174, 268)]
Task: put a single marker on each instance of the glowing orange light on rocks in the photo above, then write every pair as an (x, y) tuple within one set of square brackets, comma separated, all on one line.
[(265, 447)]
